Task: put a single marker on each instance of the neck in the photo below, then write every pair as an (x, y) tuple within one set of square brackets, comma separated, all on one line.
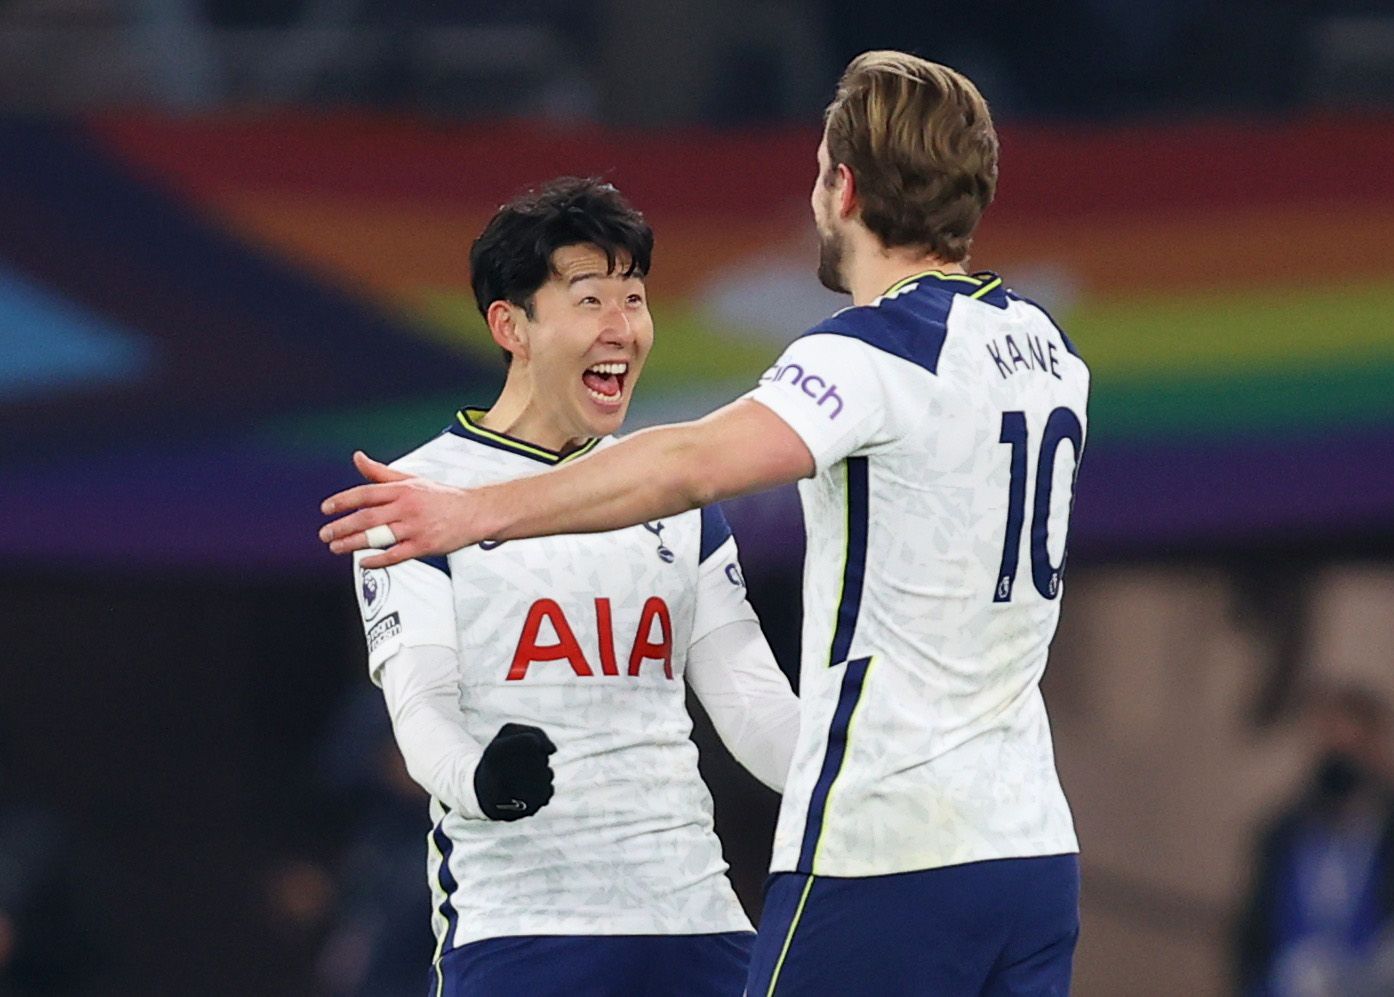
[(517, 413), (871, 269)]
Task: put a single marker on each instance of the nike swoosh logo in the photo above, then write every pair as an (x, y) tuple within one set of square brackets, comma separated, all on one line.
[(514, 806)]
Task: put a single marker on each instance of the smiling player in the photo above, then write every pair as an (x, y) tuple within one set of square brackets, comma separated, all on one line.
[(536, 687), (924, 843)]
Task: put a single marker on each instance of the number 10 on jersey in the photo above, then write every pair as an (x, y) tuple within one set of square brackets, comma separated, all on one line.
[(1062, 425)]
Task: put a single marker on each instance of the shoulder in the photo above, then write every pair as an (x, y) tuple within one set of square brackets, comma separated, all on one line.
[(715, 531), (1021, 299), (909, 322), (445, 458)]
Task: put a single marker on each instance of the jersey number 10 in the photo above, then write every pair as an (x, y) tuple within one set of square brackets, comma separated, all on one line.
[(1062, 425)]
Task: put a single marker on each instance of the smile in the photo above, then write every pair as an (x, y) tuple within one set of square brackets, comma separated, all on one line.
[(605, 381)]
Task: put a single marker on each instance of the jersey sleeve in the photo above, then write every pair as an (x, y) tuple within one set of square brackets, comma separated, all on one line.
[(407, 605), (720, 584), (826, 387)]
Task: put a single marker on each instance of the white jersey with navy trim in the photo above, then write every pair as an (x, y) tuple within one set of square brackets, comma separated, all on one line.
[(585, 636), (946, 420)]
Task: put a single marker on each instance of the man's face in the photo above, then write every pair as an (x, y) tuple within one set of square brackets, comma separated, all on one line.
[(588, 338), (831, 245)]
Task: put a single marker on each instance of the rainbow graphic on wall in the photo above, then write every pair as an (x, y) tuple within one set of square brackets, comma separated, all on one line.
[(201, 317)]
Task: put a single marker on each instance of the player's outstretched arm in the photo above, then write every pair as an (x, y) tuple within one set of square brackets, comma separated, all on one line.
[(743, 447)]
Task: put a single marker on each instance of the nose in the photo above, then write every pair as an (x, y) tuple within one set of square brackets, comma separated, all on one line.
[(615, 329)]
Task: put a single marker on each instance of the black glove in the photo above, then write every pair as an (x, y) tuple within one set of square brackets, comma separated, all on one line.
[(513, 779)]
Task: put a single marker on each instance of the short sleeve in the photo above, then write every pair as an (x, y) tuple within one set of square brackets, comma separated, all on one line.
[(826, 387), (720, 583), (407, 605)]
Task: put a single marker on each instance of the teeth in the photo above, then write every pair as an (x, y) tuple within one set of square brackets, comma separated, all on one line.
[(603, 398), (610, 368)]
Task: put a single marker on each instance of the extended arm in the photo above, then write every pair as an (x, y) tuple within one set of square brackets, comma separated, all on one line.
[(748, 699), (743, 447)]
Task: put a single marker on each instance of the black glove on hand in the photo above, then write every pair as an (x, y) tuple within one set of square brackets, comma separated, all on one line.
[(513, 779)]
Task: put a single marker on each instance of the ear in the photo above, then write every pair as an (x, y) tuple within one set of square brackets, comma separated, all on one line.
[(507, 326), (845, 191)]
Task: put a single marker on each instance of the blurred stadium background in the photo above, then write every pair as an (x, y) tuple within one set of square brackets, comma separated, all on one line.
[(232, 248)]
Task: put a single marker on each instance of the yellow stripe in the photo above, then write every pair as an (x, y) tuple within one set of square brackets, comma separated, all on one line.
[(789, 938), (846, 750), (986, 287), (846, 554), (937, 274), (435, 911), (518, 445), (580, 451)]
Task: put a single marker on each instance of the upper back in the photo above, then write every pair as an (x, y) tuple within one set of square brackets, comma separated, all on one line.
[(952, 392)]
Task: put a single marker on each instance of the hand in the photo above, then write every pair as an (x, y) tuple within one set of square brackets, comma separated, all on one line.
[(425, 517), (513, 779)]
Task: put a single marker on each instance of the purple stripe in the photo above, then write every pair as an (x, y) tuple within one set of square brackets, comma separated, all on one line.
[(1139, 500), (236, 505)]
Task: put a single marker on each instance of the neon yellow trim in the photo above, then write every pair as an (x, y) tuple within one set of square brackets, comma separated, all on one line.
[(435, 911), (580, 451), (846, 750), (519, 445), (846, 555), (986, 287), (937, 274), (789, 938)]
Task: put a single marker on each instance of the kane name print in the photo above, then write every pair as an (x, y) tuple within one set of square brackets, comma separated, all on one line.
[(1040, 355)]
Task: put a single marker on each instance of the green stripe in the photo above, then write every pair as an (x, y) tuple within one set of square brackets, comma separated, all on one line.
[(1292, 401), (1233, 333)]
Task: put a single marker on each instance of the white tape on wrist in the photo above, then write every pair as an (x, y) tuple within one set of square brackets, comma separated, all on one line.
[(380, 537)]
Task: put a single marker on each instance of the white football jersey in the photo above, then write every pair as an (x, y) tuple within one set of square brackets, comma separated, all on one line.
[(584, 636), (946, 420)]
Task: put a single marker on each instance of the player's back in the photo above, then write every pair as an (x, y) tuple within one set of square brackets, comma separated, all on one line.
[(932, 586)]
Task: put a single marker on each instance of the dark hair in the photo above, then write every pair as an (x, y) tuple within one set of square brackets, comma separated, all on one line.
[(512, 257)]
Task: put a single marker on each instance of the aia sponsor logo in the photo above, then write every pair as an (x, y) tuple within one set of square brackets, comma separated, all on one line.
[(653, 641)]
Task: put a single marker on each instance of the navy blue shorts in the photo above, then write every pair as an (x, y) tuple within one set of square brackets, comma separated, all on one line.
[(597, 966), (994, 928)]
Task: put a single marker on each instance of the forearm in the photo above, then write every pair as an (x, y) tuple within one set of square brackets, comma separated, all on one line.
[(422, 693), (743, 447), (652, 474), (748, 699)]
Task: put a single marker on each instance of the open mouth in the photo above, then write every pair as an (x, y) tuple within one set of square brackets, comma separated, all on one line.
[(605, 381)]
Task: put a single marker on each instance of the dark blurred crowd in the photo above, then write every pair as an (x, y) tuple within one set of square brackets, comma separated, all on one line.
[(719, 61), (1318, 920)]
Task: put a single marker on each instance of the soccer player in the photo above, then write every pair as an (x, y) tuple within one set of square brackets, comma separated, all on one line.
[(924, 844), (536, 687)]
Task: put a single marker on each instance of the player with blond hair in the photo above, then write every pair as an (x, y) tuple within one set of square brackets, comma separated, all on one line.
[(935, 427)]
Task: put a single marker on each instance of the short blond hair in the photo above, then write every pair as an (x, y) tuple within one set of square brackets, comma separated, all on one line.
[(919, 141)]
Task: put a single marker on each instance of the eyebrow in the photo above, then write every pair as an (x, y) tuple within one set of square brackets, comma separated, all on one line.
[(596, 275)]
